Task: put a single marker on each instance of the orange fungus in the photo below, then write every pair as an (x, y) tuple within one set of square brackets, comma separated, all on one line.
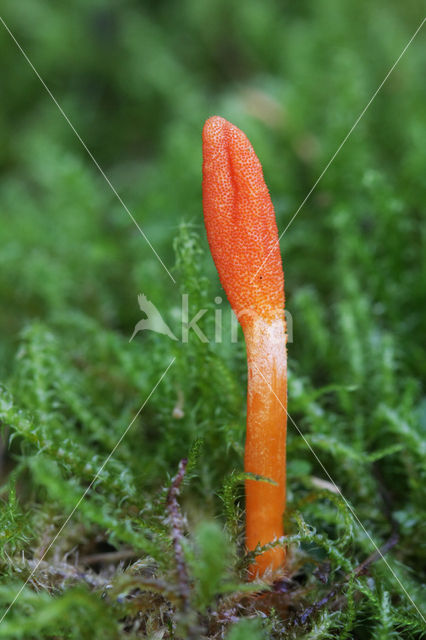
[(243, 239)]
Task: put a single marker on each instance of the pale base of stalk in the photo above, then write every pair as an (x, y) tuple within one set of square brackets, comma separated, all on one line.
[(265, 449)]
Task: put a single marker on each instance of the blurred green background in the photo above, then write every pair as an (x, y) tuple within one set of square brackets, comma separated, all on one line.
[(137, 80)]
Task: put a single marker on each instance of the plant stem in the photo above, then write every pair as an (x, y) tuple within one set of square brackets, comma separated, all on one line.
[(265, 450)]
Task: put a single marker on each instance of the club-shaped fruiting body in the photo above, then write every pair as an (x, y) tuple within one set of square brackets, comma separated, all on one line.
[(243, 238)]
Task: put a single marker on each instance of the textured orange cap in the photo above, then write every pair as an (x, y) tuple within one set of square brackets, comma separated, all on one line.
[(240, 222)]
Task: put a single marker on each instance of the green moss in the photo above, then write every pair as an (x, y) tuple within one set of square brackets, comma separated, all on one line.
[(138, 82)]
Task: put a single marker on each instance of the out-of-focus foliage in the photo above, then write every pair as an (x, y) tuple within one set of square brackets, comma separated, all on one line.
[(137, 80)]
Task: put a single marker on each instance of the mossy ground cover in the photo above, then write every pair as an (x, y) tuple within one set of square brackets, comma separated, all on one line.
[(138, 80)]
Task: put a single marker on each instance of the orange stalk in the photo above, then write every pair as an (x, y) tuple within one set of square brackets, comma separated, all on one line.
[(242, 233)]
